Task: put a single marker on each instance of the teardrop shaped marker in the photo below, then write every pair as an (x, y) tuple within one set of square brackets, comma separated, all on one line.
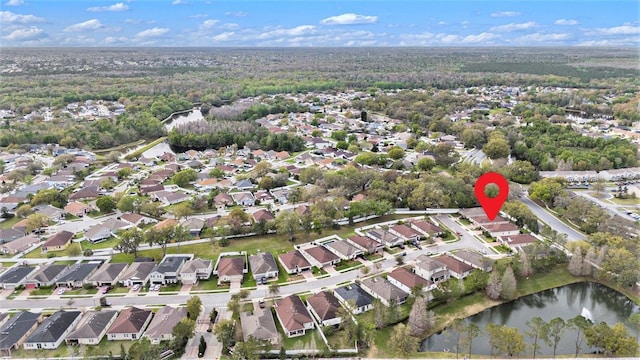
[(491, 205)]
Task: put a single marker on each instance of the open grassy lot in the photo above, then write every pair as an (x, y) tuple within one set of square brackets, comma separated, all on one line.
[(110, 243), (72, 250)]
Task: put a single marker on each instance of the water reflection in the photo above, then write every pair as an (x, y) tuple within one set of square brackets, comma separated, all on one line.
[(566, 302)]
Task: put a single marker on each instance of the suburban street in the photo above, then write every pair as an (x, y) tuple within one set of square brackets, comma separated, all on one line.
[(546, 217)]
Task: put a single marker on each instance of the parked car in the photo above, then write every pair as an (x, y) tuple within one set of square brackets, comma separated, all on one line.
[(136, 287), (261, 303), (61, 291), (262, 281)]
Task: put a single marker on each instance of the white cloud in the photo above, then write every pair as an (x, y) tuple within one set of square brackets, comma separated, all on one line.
[(236, 13), (540, 37), (349, 19), (7, 17), (225, 36), (208, 24), (89, 25), (442, 23), (619, 30), (199, 16), (514, 26), (296, 31), (133, 21), (116, 40), (156, 31), (480, 38), (566, 22), (179, 2), (505, 13), (628, 41), (32, 33), (14, 3), (229, 26), (115, 7)]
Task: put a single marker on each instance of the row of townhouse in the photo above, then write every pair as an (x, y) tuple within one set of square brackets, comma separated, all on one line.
[(33, 332)]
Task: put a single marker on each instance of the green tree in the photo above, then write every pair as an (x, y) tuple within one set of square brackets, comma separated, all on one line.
[(537, 328), (216, 173), (493, 285), (153, 209), (184, 177), (185, 328), (129, 203), (274, 288), (496, 148), (106, 204), (202, 346), (456, 332), (419, 320), (24, 211), (288, 222), (520, 171), (547, 189), (36, 222), (223, 331), (425, 164), (634, 323), (472, 331), (553, 333), (124, 173), (597, 334), (130, 241), (396, 153), (619, 342), (509, 287), (143, 350), (182, 210), (194, 306), (401, 341), (579, 324), (50, 196)]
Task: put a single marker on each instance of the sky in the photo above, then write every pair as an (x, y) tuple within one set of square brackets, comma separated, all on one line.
[(318, 23)]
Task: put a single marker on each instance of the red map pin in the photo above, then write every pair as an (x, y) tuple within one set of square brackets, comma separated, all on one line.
[(492, 206)]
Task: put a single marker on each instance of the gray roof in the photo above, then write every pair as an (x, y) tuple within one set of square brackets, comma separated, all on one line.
[(260, 325), (15, 274), (92, 325), (14, 329), (354, 292), (77, 272), (196, 264), (108, 272), (343, 247), (48, 273), (53, 327), (171, 263), (384, 289), (262, 263), (428, 264), (163, 322), (138, 270), (7, 235)]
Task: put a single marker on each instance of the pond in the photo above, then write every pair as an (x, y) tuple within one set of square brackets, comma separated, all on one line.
[(588, 299), (184, 118)]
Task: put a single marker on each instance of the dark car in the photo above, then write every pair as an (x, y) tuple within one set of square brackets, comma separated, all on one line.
[(401, 246), (261, 304), (263, 281)]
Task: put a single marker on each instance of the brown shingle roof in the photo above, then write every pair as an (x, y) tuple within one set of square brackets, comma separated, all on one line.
[(321, 254), (58, 239), (408, 278), (325, 304), (294, 258), (454, 264), (292, 313), (130, 321), (230, 266)]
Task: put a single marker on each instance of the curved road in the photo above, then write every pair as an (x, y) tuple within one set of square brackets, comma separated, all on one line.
[(552, 221)]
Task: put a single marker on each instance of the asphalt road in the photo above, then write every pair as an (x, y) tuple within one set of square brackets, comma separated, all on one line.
[(555, 223)]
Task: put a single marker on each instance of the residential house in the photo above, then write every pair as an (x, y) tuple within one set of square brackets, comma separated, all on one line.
[(320, 257), (431, 269), (230, 269), (92, 327), (427, 228), (384, 237), (243, 198), (206, 184), (294, 262), (136, 219), (344, 249), (130, 324), (501, 230), (515, 242), (264, 197), (170, 197), (194, 225), (259, 325), (244, 185), (405, 232), (86, 193), (53, 330), (281, 195), (19, 245), (383, 289), (324, 306), (77, 275), (194, 270), (58, 241), (293, 316), (406, 280), (368, 245), (78, 209), (318, 143), (15, 331), (9, 235), (263, 265), (263, 215), (166, 272), (105, 230), (165, 224), (108, 274), (474, 259), (457, 268), (49, 211), (137, 273), (223, 200), (160, 328), (15, 276), (45, 276), (354, 298)]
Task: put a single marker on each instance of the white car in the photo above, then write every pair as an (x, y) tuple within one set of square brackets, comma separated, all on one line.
[(136, 287), (61, 291), (156, 287)]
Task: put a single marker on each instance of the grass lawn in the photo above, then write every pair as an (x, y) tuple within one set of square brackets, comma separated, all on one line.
[(81, 292), (104, 348), (43, 291), (110, 243), (170, 288), (139, 152), (119, 290), (64, 262), (635, 201), (347, 264), (7, 224), (211, 284), (74, 248), (464, 221)]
